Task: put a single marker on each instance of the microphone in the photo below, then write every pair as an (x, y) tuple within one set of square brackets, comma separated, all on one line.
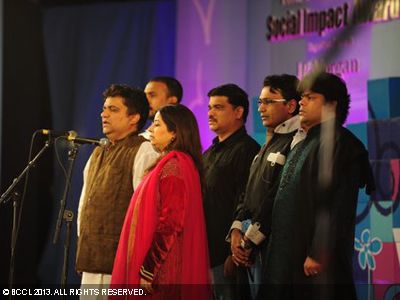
[(57, 133), (103, 142), (72, 136)]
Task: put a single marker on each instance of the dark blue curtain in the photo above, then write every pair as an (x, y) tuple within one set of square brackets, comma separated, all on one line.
[(87, 48)]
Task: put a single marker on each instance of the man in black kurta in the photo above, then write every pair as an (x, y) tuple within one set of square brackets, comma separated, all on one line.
[(313, 218), (226, 168)]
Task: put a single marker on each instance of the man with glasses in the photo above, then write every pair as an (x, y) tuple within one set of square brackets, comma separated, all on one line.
[(278, 108)]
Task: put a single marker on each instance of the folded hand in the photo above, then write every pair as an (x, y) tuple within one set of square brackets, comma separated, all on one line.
[(240, 256), (146, 285), (312, 267)]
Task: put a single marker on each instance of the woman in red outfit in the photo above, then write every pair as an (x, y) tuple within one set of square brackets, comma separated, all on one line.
[(163, 246)]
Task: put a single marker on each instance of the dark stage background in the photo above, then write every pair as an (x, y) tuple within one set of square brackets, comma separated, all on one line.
[(58, 59)]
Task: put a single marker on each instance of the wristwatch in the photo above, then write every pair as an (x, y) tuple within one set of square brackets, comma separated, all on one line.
[(246, 244)]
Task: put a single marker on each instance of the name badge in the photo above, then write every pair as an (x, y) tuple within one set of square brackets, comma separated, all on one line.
[(276, 158)]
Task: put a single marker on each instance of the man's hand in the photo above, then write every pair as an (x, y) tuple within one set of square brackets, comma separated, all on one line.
[(229, 267), (146, 285), (239, 255), (312, 267)]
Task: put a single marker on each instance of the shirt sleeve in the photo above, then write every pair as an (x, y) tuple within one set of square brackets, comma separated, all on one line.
[(254, 234), (145, 157), (243, 161), (83, 193), (169, 227), (240, 213), (262, 216)]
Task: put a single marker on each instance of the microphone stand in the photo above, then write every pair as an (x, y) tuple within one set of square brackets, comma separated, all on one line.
[(5, 197), (14, 232), (66, 215)]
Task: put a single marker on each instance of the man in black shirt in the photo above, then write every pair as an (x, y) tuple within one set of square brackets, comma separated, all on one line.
[(278, 108), (227, 164)]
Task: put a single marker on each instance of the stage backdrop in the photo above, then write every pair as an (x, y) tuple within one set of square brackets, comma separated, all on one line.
[(221, 41), (211, 50), (87, 48)]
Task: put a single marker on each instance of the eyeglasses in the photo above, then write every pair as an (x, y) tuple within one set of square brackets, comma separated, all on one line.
[(267, 101)]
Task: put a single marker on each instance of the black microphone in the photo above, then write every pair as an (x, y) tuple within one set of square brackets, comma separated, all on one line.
[(81, 140)]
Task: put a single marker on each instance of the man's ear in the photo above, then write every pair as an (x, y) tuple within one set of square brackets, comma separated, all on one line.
[(331, 106), (134, 119), (239, 111), (328, 110), (292, 105), (172, 100)]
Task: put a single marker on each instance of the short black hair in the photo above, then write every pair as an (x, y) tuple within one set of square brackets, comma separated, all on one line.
[(332, 87), (173, 85), (134, 99), (236, 96), (286, 85)]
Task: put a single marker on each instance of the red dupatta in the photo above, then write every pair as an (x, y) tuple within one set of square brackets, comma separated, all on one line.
[(141, 221)]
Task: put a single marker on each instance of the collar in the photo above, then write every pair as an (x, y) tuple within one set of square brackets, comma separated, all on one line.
[(317, 128), (289, 125), (133, 133), (145, 134), (232, 139), (300, 135)]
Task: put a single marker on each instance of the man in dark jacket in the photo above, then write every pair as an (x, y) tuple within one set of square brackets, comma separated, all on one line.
[(313, 218), (278, 108)]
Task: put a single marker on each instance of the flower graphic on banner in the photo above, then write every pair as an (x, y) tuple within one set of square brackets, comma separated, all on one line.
[(367, 248)]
